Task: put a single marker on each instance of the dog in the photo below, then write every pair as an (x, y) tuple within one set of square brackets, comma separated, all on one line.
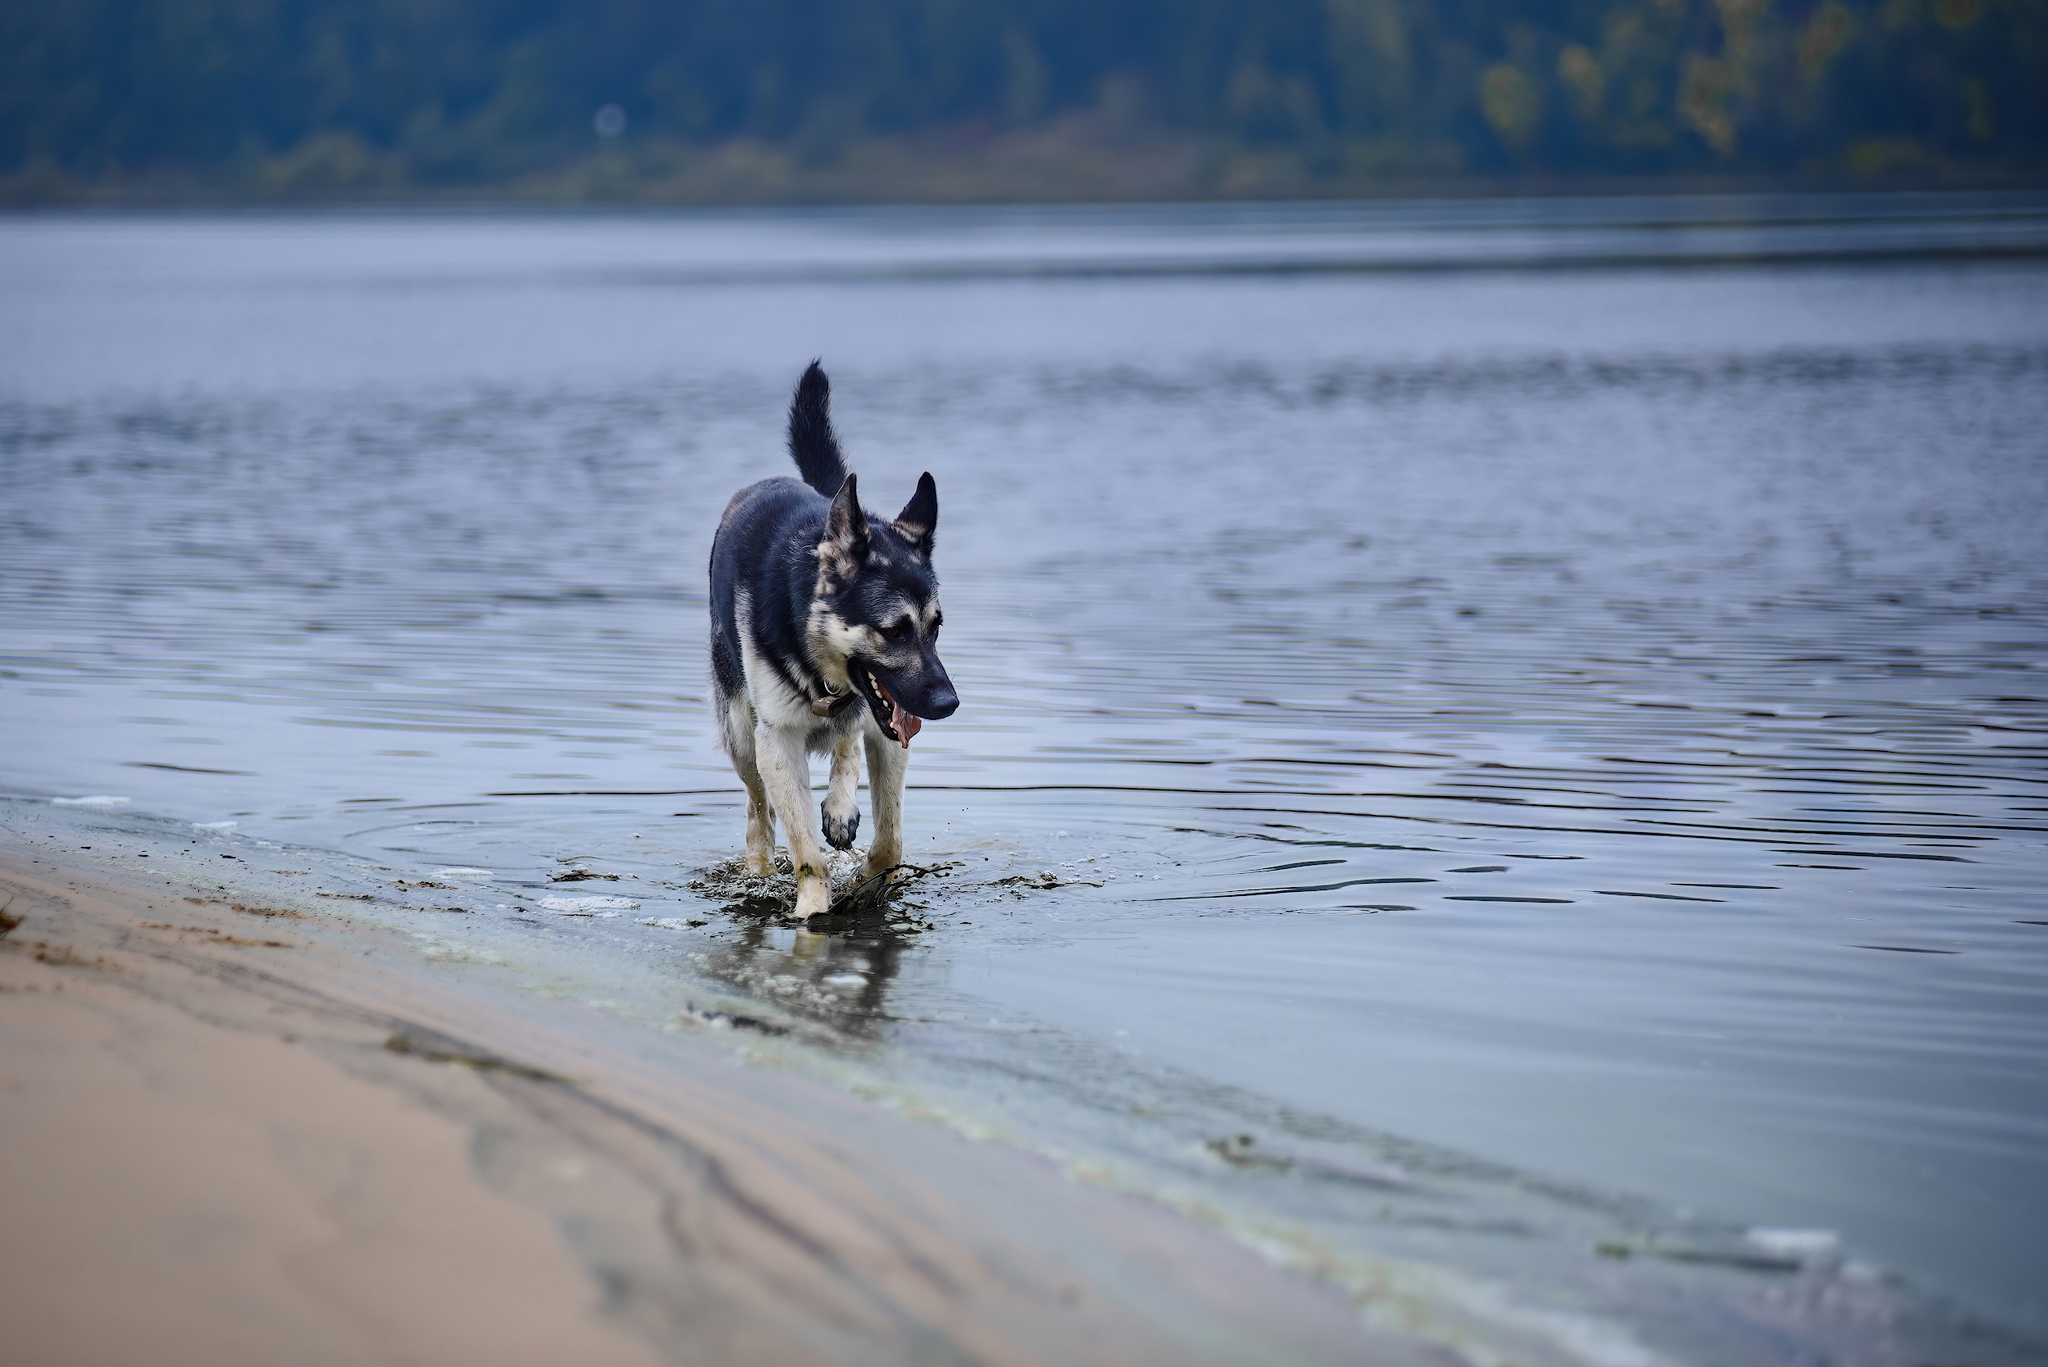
[(818, 606)]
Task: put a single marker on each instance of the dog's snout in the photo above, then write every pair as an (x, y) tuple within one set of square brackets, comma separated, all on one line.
[(941, 702)]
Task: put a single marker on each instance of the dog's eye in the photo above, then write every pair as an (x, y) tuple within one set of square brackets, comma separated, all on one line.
[(897, 631)]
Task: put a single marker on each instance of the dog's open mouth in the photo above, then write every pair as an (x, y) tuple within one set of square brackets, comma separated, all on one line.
[(895, 722)]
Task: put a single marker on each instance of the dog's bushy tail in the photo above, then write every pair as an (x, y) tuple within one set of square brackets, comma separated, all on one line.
[(810, 433)]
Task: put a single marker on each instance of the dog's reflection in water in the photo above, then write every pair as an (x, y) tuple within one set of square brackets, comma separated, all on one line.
[(833, 970)]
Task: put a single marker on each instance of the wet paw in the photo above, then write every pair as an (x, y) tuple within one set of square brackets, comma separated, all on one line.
[(813, 894), (839, 831)]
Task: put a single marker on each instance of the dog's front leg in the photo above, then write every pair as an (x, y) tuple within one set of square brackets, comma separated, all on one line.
[(786, 773), (841, 808), (886, 762)]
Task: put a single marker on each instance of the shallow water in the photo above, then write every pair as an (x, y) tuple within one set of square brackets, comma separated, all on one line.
[(1506, 740)]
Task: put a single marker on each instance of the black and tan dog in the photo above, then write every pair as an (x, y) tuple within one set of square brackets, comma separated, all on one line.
[(816, 607)]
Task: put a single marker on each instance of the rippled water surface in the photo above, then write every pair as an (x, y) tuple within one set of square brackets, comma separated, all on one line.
[(1506, 739)]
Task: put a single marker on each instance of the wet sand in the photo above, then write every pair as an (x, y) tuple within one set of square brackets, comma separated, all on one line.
[(237, 1134)]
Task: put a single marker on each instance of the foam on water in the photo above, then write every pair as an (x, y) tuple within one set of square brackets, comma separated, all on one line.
[(588, 906)]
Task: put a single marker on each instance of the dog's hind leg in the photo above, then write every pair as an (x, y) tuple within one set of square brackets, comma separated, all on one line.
[(841, 808), (739, 744), (886, 762), (786, 772), (760, 830)]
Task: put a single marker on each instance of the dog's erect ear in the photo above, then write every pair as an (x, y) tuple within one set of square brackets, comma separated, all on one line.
[(846, 534), (920, 517)]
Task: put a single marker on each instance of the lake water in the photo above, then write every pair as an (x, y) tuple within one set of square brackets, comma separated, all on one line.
[(1502, 745)]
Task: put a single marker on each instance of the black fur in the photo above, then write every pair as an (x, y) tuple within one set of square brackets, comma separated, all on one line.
[(811, 440), (840, 834), (919, 520), (768, 545)]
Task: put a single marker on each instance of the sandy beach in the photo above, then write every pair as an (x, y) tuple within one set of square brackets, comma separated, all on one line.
[(237, 1133)]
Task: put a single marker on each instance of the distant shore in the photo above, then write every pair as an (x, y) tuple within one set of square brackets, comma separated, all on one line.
[(1059, 164), (239, 1132)]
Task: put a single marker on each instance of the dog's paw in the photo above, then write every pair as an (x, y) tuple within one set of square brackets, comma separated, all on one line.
[(840, 831)]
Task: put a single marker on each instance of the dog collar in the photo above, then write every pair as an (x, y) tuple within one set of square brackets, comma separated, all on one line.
[(832, 704)]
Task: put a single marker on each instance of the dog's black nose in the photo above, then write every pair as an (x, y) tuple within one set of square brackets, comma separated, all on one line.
[(940, 703)]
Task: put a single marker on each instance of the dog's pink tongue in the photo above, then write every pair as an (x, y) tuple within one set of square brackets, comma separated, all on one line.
[(906, 725)]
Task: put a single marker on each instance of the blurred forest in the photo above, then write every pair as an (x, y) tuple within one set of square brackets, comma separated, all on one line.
[(786, 100)]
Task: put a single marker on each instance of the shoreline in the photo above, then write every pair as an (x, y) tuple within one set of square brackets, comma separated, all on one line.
[(1050, 167), (238, 1130)]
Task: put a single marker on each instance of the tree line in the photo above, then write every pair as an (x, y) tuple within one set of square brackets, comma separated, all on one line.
[(335, 96)]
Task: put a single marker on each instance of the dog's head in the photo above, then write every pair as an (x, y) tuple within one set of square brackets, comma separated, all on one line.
[(877, 605)]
